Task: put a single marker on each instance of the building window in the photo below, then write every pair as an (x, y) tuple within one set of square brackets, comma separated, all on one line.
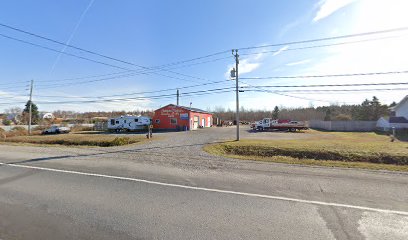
[(173, 120), (157, 121)]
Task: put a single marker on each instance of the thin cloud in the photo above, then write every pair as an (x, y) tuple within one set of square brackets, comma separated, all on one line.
[(282, 49), (328, 7), (299, 62), (246, 65)]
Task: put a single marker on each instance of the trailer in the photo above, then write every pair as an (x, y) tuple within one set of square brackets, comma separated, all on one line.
[(129, 123), (267, 124)]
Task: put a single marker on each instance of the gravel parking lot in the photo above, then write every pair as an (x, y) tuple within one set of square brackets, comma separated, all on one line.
[(179, 149)]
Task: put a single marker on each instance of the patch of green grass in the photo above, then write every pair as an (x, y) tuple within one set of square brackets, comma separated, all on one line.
[(100, 140), (342, 149)]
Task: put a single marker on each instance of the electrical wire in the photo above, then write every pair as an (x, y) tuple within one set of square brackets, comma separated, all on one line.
[(329, 75), (134, 93), (219, 90), (102, 55), (58, 51), (339, 90), (327, 38), (317, 46), (118, 76), (330, 85)]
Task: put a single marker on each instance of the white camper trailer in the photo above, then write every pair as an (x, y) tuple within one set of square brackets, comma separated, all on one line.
[(128, 123)]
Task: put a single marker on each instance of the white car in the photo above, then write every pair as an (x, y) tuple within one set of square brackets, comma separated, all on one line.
[(56, 130)]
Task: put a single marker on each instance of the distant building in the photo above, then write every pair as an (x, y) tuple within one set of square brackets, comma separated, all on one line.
[(173, 117), (401, 109), (399, 117), (48, 116), (14, 117)]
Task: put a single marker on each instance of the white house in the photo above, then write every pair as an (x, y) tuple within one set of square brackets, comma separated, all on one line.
[(401, 109), (399, 118)]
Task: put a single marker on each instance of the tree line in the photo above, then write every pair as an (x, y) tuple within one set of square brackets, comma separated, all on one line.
[(368, 110)]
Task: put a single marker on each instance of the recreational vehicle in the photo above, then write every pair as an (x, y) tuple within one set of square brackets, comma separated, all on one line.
[(128, 123)]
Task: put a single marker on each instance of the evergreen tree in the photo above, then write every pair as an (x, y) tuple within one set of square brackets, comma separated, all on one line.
[(327, 117), (275, 113), (393, 104), (35, 115)]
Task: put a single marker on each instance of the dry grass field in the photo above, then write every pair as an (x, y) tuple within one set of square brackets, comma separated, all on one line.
[(79, 139), (342, 149)]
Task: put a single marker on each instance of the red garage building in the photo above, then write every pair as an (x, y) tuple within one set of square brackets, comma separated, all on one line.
[(173, 117)]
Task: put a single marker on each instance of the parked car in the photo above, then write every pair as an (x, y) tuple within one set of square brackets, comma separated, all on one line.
[(56, 130)]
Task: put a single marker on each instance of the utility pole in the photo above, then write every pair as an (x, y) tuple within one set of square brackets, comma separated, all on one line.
[(234, 73), (178, 97), (30, 107)]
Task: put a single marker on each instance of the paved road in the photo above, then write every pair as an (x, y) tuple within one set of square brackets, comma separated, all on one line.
[(171, 189)]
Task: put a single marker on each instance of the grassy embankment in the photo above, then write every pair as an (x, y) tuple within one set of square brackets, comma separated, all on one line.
[(72, 139), (334, 149)]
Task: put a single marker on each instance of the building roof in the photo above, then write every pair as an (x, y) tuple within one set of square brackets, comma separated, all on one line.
[(186, 108), (398, 120), (405, 99)]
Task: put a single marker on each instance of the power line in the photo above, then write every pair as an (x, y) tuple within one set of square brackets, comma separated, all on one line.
[(168, 96), (338, 90), (95, 61), (329, 85), (99, 62), (105, 56), (13, 83), (155, 91), (58, 51), (133, 74), (328, 38), (192, 59), (138, 98), (133, 93), (102, 55), (84, 77), (317, 46), (226, 89), (287, 95), (331, 75), (114, 77), (67, 45), (14, 87)]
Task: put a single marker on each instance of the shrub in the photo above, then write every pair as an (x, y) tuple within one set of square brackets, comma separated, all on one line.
[(79, 128), (18, 129), (40, 128), (342, 117), (7, 122), (120, 141)]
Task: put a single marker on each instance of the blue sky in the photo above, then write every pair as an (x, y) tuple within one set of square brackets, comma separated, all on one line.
[(154, 33)]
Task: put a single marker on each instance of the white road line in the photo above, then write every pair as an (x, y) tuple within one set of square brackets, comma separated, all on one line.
[(212, 189)]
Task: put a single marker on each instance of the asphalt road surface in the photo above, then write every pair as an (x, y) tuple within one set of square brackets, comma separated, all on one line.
[(171, 189)]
